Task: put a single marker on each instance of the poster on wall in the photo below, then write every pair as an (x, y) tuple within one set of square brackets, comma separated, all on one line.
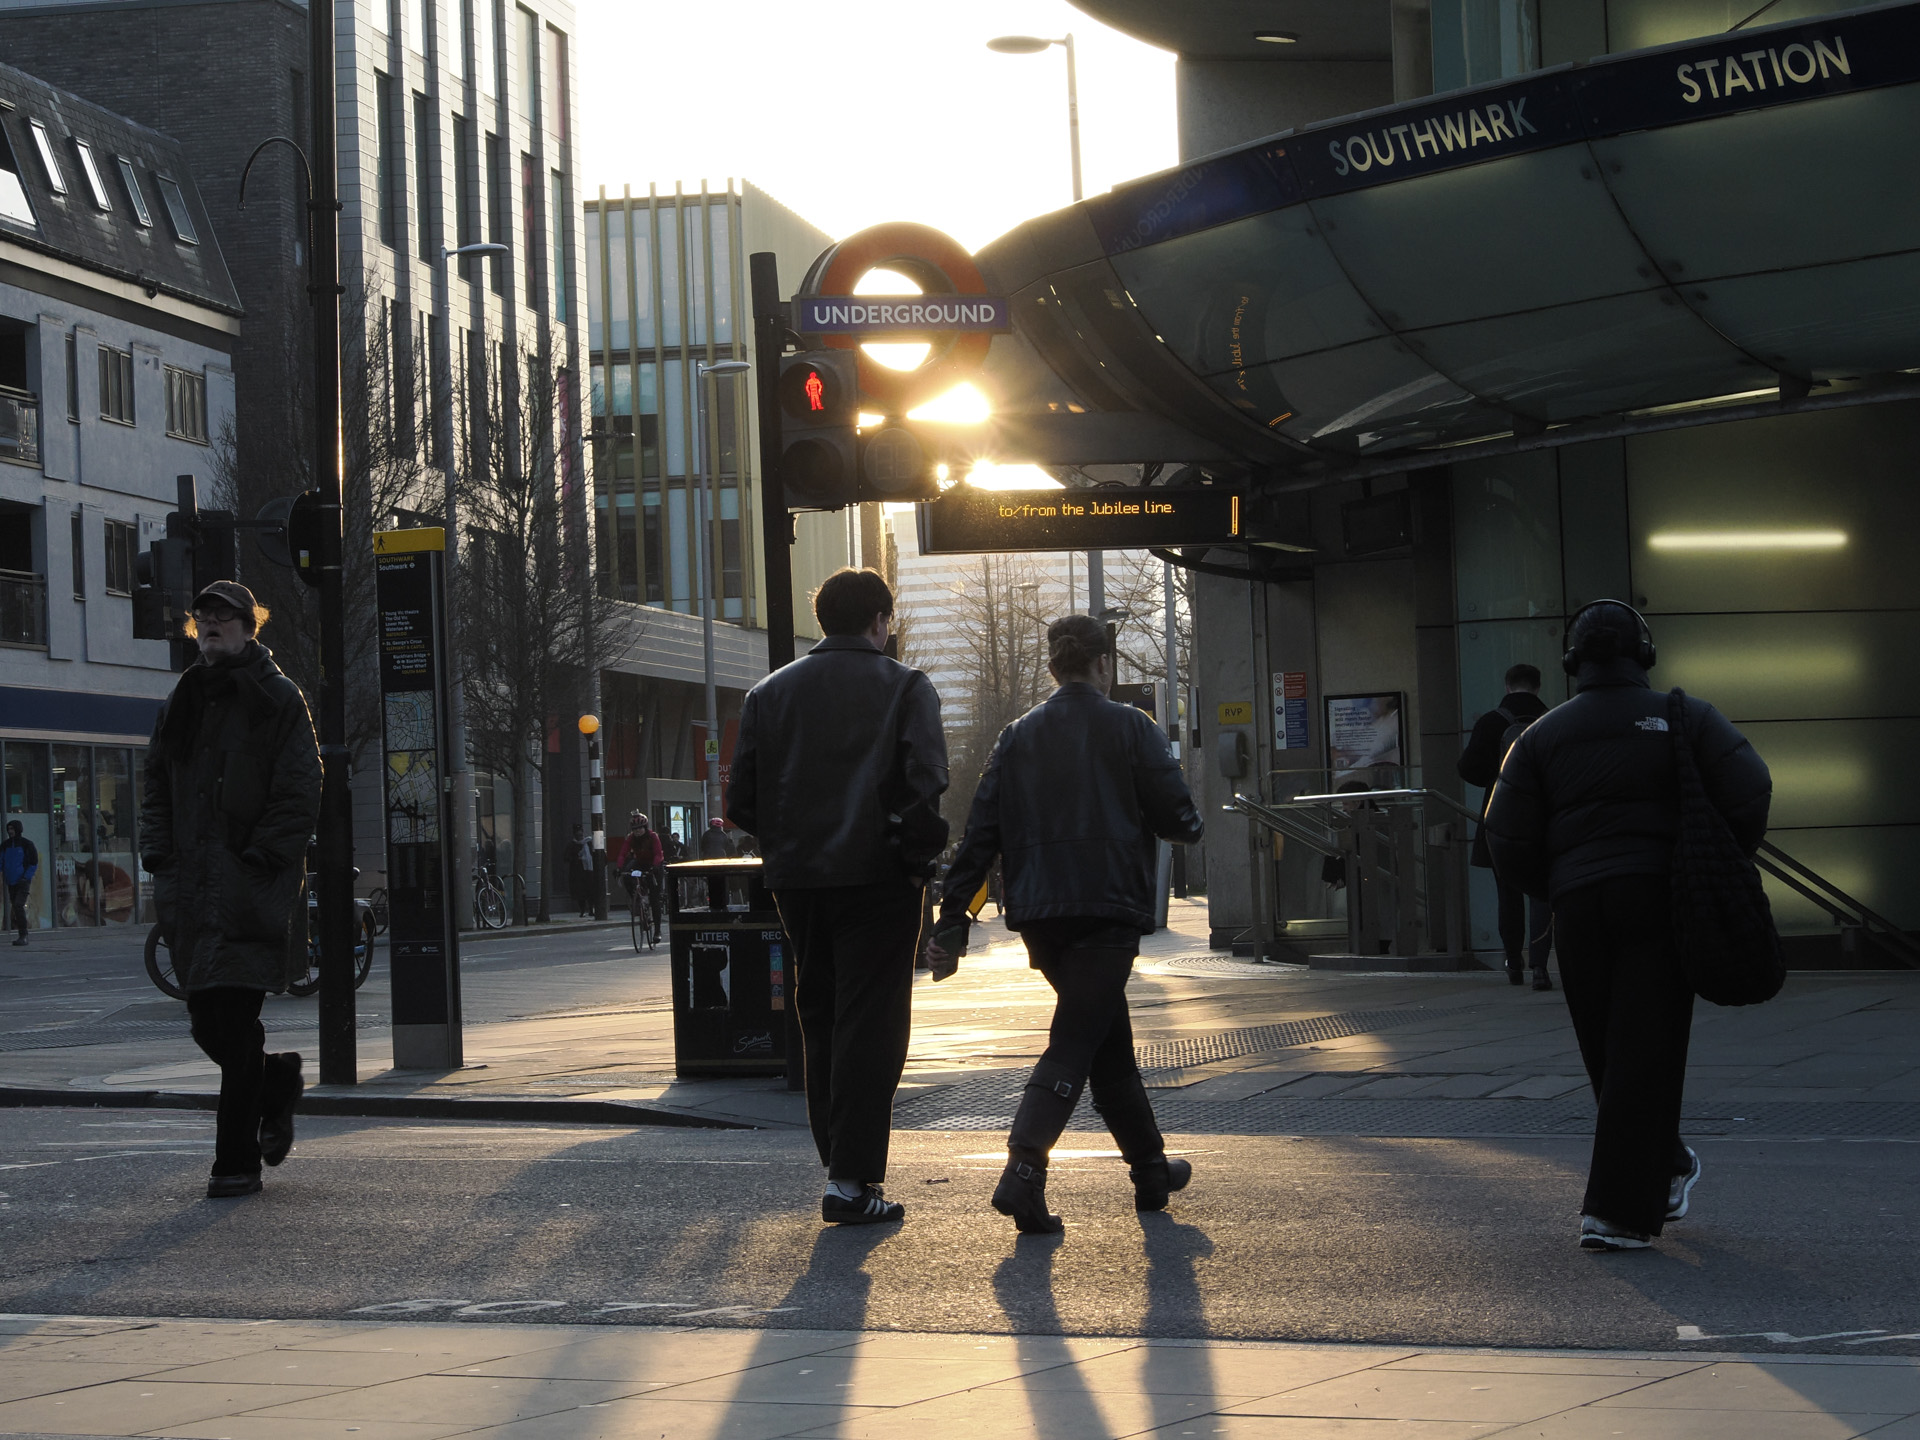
[(1364, 745), (1290, 709)]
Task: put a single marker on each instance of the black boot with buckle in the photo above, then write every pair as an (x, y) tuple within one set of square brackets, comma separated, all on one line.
[(1046, 1105)]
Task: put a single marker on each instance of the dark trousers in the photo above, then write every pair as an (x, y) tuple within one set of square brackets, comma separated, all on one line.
[(1526, 926), (226, 1025), (17, 905), (853, 951), (1632, 1013), (1090, 1042)]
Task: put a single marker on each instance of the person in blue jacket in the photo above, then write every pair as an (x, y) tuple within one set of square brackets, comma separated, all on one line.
[(19, 862)]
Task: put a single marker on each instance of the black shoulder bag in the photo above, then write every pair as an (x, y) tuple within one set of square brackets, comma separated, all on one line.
[(1722, 923)]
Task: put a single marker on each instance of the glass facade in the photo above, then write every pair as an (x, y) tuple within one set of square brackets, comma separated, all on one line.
[(649, 405), (80, 806)]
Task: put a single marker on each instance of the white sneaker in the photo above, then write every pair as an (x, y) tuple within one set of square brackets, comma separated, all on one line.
[(1682, 1186), (1597, 1234)]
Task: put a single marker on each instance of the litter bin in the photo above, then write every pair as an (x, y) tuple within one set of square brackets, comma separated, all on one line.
[(732, 970)]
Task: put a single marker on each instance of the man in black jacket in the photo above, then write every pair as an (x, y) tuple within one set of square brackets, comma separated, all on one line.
[(838, 772), (1520, 932), (1585, 812)]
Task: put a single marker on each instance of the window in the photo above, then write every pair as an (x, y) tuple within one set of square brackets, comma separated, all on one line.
[(14, 205), (377, 13), (530, 227), (92, 171), (466, 223), (426, 194), (486, 48), (187, 404), (44, 144), (498, 200), (384, 167), (78, 547), (134, 197), (73, 377), (116, 385), (562, 253), (178, 216), (121, 542), (529, 76), (414, 14), (405, 380), (435, 363), (556, 86)]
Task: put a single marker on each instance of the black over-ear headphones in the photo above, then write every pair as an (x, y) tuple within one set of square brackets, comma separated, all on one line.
[(1643, 652)]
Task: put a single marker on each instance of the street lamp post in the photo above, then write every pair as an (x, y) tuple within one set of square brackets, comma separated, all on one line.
[(707, 443), (460, 777), (1035, 45)]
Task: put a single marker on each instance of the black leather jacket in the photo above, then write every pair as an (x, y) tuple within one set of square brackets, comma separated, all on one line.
[(839, 768), (1076, 793), (1590, 791)]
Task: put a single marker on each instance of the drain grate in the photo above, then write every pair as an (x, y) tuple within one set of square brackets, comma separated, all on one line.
[(1184, 1054)]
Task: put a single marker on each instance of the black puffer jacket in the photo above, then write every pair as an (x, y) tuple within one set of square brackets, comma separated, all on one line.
[(839, 769), (231, 796), (1589, 792), (1480, 761), (1076, 793)]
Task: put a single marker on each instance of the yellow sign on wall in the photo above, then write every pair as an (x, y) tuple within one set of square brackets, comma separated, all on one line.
[(1236, 712)]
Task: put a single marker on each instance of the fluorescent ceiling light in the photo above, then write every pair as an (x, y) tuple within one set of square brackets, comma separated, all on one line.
[(1748, 540), (1277, 37)]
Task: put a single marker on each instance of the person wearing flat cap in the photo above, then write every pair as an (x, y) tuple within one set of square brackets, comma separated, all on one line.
[(230, 800)]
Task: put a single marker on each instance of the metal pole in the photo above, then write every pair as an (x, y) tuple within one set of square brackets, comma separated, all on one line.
[(1096, 560), (776, 525), (339, 1064), (598, 834), (1171, 638), (710, 789), (459, 776)]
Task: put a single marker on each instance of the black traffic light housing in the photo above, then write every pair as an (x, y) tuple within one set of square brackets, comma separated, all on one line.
[(894, 465), (819, 420)]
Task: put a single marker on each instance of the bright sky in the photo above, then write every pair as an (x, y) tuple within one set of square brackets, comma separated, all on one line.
[(852, 112)]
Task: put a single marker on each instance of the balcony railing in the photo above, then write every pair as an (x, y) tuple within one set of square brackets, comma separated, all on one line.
[(19, 426), (23, 609)]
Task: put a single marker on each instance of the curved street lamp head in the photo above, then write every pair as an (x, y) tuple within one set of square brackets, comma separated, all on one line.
[(485, 247), (1019, 44), (726, 367)]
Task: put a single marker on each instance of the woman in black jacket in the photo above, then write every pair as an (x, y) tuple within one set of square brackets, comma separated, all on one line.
[(1076, 793)]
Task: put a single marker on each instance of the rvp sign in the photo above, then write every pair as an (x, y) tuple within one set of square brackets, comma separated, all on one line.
[(917, 315)]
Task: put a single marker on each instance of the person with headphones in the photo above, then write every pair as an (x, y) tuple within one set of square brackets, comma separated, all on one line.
[(1585, 812)]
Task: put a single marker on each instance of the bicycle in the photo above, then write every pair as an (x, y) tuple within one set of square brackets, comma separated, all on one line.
[(377, 907), (159, 955), (490, 905), (642, 922)]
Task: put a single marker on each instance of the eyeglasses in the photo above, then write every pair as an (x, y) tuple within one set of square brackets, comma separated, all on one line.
[(219, 614)]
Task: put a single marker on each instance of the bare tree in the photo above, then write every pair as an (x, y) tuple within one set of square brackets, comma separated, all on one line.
[(533, 622), (1136, 584)]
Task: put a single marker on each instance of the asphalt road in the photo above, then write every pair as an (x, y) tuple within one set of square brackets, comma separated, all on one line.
[(1406, 1241)]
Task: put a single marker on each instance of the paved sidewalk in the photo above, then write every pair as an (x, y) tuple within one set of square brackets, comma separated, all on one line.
[(274, 1380)]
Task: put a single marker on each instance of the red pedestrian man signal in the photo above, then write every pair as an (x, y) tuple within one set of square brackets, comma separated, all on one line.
[(816, 391)]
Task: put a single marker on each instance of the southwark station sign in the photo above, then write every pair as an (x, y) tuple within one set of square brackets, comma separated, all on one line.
[(1693, 80)]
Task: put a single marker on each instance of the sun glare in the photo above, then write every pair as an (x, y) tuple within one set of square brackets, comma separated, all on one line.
[(909, 356), (986, 475), (962, 405)]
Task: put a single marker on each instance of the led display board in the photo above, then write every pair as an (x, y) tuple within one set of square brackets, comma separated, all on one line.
[(967, 520)]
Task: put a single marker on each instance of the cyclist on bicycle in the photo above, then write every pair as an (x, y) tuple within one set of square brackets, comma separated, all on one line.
[(640, 861)]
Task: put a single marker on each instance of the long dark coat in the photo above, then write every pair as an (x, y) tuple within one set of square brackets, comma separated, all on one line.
[(231, 797)]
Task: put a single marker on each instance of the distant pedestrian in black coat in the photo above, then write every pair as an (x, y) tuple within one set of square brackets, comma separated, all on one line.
[(1521, 934), (1585, 812)]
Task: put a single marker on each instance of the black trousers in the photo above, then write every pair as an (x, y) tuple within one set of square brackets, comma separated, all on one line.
[(1632, 1012), (853, 951), (17, 894), (1526, 926), (1090, 1042), (226, 1025)]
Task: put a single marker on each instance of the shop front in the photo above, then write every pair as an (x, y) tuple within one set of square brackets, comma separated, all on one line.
[(79, 804)]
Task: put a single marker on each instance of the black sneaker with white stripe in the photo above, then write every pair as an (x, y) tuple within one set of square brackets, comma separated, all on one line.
[(870, 1207), (1680, 1188)]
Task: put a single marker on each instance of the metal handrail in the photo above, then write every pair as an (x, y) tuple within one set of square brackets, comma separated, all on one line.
[(1323, 840), (1837, 903), (1348, 797)]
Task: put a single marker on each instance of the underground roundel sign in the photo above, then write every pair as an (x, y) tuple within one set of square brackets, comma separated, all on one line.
[(940, 266)]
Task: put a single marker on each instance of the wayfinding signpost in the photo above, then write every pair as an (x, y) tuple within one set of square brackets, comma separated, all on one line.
[(410, 588), (967, 521)]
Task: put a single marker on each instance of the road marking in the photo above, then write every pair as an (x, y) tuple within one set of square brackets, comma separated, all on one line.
[(1781, 1337), (482, 1309)]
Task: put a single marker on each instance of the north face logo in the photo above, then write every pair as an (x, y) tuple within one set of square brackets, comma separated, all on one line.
[(1652, 722)]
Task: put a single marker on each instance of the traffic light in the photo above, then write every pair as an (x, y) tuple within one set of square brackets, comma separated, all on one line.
[(894, 465), (163, 590), (819, 419)]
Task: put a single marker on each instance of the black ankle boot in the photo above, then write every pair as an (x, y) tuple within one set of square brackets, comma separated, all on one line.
[(1022, 1195), (1154, 1180)]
